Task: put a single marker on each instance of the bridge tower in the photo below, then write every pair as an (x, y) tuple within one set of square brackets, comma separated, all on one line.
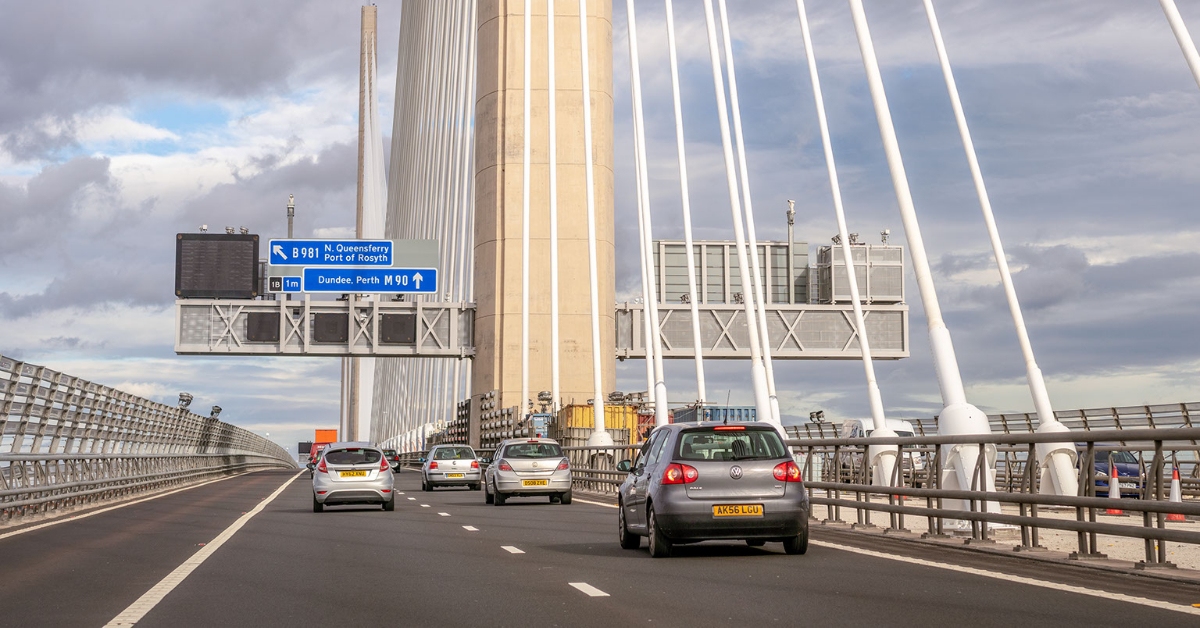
[(499, 119)]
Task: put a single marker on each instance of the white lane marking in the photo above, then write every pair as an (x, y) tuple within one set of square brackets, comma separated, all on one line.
[(399, 493), (424, 505), (512, 550), (1108, 595), (585, 501), (136, 611), (589, 589), (470, 528), (122, 505), (412, 499), (444, 514)]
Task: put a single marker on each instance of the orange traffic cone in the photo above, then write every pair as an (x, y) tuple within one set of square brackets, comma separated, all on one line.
[(1176, 495), (1114, 488)]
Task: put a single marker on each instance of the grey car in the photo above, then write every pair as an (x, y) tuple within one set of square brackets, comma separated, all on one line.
[(710, 481), (528, 467), (450, 465), (353, 473)]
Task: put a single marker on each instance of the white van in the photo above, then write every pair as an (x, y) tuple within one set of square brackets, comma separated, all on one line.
[(862, 428)]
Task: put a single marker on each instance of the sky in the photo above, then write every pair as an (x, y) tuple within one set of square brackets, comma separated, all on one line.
[(125, 122)]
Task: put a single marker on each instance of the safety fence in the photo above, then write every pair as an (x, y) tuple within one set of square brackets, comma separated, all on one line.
[(66, 442)]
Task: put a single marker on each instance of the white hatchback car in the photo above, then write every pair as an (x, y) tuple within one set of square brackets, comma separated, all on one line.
[(353, 473), (450, 465)]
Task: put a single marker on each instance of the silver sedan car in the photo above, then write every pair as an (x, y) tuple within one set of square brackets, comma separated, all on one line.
[(353, 473), (700, 481), (528, 467), (450, 465)]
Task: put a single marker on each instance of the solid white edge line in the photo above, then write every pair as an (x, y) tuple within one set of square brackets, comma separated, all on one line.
[(586, 501), (512, 549), (136, 611), (1108, 595), (68, 518), (588, 589)]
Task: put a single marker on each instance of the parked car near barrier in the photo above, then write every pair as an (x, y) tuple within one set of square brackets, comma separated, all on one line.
[(1129, 471), (450, 465), (709, 481)]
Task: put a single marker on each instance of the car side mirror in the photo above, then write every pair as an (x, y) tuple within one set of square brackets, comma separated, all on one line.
[(624, 466), (310, 466), (421, 460)]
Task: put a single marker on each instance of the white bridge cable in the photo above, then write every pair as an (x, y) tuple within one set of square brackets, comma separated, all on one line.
[(752, 240), (882, 458), (1059, 470), (693, 297), (552, 111), (599, 435), (758, 377), (527, 80), (1186, 44), (644, 223)]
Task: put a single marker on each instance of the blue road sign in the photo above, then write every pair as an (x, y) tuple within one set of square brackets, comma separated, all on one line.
[(330, 252), (371, 280), (291, 284)]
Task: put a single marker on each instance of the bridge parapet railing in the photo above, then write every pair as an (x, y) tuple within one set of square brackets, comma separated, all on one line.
[(844, 485), (67, 442)]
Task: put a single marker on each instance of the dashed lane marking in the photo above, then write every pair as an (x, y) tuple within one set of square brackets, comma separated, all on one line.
[(470, 528), (512, 550), (588, 589), (122, 505), (136, 611), (1108, 595), (444, 514), (412, 499), (424, 505)]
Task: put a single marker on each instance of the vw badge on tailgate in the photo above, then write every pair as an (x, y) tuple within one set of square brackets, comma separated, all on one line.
[(735, 472)]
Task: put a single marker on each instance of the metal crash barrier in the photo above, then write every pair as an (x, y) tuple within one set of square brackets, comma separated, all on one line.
[(66, 442)]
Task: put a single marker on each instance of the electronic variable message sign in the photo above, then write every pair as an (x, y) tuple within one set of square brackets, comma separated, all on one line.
[(216, 266)]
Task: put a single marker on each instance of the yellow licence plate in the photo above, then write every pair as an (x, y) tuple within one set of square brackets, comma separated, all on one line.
[(738, 510), (352, 474), (454, 475), (534, 483)]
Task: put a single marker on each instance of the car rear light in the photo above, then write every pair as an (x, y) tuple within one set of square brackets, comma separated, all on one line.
[(385, 490), (564, 465), (321, 492), (680, 474), (787, 472), (321, 466), (432, 465), (729, 428), (474, 464), (504, 466), (383, 465)]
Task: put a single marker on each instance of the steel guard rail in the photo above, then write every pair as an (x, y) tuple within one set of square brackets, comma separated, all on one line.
[(67, 442)]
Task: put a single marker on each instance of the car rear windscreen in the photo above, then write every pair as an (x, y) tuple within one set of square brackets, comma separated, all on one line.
[(453, 453), (718, 444), (353, 456), (533, 450)]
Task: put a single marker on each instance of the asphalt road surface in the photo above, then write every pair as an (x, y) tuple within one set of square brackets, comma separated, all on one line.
[(447, 559)]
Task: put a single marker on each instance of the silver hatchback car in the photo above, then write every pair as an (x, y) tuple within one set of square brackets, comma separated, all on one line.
[(450, 465), (353, 473), (528, 467), (700, 481)]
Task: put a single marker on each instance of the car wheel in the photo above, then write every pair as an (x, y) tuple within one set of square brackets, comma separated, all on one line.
[(660, 546), (487, 496), (475, 486), (628, 540), (499, 498), (797, 544), (390, 505), (565, 498), (317, 506), (755, 543), (554, 499)]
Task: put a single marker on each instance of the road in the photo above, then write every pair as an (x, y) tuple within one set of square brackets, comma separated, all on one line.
[(447, 559)]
